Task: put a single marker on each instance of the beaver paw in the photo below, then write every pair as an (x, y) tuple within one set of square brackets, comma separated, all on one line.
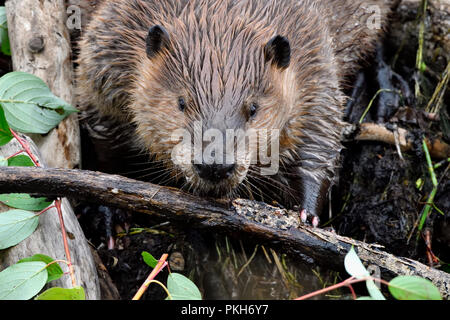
[(305, 217)]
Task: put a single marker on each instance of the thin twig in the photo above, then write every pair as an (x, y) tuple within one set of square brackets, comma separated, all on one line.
[(429, 206), (161, 264)]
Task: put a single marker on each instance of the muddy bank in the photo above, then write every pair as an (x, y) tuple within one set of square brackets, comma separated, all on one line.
[(381, 193)]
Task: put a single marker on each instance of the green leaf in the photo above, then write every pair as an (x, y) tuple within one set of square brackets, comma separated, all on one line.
[(355, 268), (423, 67), (365, 298), (419, 183), (181, 288), (149, 259), (3, 162), (15, 226), (413, 288), (22, 281), (3, 20), (445, 268), (29, 105), (56, 293), (24, 201), (20, 161), (54, 270), (4, 38), (5, 45), (5, 134), (374, 292)]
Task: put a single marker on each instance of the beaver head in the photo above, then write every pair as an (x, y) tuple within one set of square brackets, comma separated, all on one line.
[(211, 85)]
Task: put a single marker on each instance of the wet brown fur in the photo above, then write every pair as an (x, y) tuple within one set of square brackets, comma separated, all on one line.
[(216, 60)]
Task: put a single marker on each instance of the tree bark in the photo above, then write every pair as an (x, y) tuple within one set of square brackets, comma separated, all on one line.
[(267, 225), (40, 44)]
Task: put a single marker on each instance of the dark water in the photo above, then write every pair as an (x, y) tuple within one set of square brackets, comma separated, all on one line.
[(221, 266)]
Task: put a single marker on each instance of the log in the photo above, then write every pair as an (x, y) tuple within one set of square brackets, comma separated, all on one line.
[(40, 44), (47, 238), (265, 224)]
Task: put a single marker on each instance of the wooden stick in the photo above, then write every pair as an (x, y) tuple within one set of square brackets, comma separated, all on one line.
[(377, 132)]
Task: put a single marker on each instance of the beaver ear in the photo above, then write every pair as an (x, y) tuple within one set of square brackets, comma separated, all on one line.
[(278, 50), (157, 39)]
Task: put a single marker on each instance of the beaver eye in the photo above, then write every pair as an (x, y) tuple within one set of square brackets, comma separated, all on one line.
[(253, 110), (182, 104)]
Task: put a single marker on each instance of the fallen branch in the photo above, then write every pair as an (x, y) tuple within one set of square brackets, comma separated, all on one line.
[(376, 132), (265, 224)]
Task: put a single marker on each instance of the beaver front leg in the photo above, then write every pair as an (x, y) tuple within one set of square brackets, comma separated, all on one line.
[(313, 173), (314, 194)]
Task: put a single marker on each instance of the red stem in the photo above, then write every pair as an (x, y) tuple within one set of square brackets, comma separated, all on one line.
[(45, 210), (353, 292), (347, 283), (161, 264), (15, 154), (57, 205), (66, 245)]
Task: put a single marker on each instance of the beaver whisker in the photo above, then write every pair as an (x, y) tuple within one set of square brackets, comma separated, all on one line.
[(277, 185), (162, 175), (148, 171), (172, 178), (153, 164)]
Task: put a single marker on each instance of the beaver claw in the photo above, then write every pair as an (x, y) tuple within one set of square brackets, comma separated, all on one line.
[(314, 220)]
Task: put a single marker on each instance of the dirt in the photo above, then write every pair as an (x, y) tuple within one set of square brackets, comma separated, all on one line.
[(377, 198)]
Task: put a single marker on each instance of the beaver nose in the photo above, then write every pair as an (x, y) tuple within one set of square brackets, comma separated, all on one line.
[(214, 172)]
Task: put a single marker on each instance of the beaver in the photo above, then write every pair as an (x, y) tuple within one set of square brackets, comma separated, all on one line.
[(161, 66)]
